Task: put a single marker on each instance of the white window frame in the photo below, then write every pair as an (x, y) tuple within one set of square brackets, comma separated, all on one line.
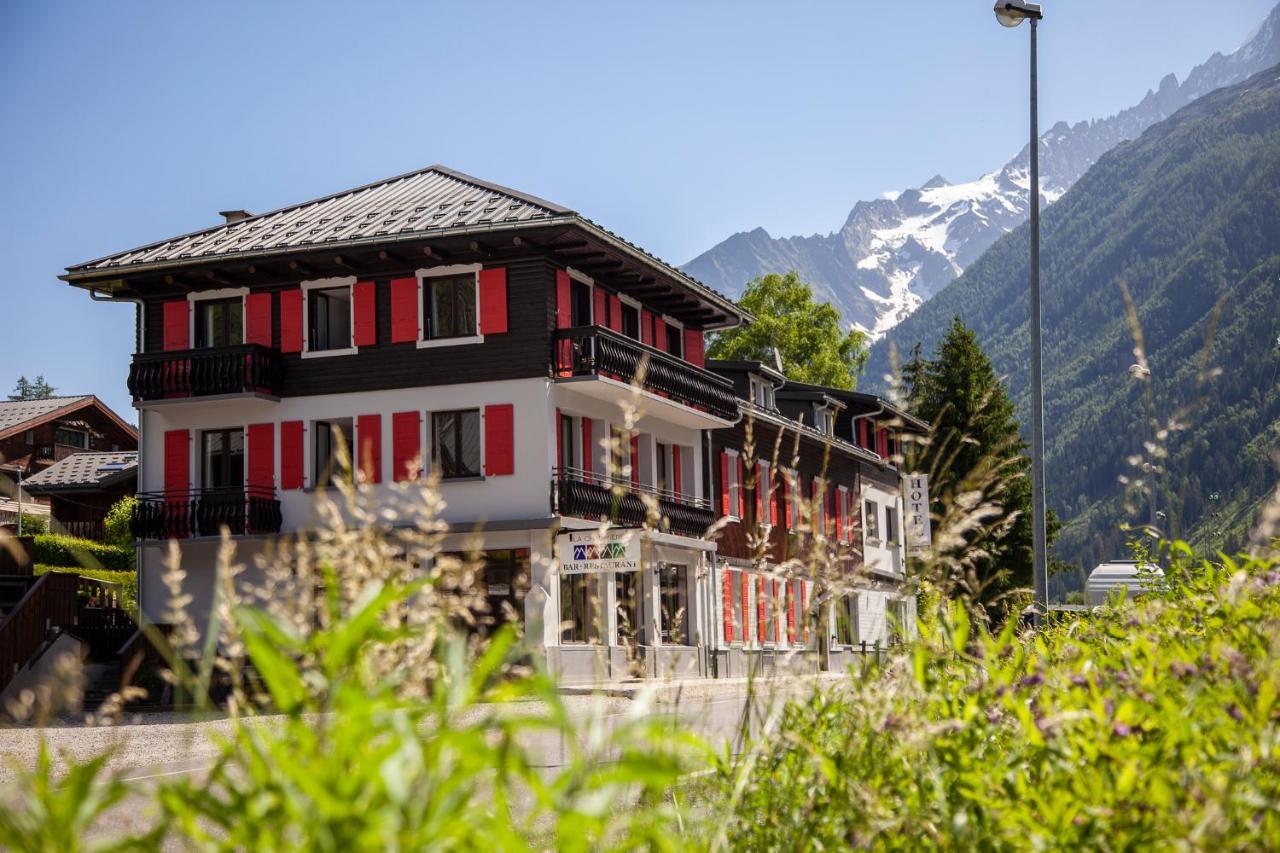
[(209, 295), (634, 303), (672, 321), (867, 538), (427, 273), (734, 484), (349, 282), (590, 282), (755, 381), (826, 420)]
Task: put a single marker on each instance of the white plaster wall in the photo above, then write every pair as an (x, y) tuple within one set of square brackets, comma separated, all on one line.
[(883, 557)]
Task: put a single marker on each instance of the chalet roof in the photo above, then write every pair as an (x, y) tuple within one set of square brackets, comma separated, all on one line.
[(19, 415), (861, 404), (429, 203), (84, 471)]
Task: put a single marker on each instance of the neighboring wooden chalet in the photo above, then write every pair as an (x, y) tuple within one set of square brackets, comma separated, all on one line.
[(35, 434), (83, 487)]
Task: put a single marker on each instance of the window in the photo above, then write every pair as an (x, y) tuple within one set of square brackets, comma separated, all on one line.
[(846, 627), (890, 524), (662, 480), (329, 312), (449, 307), (455, 443), (222, 459), (580, 303), (329, 436), (219, 322), (567, 435), (761, 393), (675, 340), (873, 521), (619, 452), (579, 608), (626, 587), (631, 321), (899, 620), (740, 626), (70, 437), (826, 422), (733, 487), (673, 597)]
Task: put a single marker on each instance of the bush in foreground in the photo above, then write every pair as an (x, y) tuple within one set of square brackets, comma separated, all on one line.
[(1151, 724)]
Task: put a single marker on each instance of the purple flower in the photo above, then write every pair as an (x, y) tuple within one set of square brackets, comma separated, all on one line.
[(1032, 680), (1121, 729), (1079, 680), (1235, 713)]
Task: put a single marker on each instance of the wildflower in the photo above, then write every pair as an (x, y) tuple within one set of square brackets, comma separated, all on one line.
[(1079, 680), (1182, 669), (1234, 712), (1121, 729), (1033, 680)]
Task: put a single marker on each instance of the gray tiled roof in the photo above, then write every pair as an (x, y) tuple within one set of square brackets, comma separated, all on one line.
[(430, 201), (16, 413), (84, 470)]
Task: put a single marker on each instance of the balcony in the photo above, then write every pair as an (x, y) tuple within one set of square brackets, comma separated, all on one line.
[(599, 497), (246, 369), (178, 515), (593, 352)]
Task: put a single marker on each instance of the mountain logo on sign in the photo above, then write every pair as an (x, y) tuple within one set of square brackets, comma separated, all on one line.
[(612, 551)]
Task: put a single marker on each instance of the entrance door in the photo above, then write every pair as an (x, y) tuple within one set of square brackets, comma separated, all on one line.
[(627, 594), (673, 597)]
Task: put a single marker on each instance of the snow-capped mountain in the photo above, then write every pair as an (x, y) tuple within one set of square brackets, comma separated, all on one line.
[(894, 252)]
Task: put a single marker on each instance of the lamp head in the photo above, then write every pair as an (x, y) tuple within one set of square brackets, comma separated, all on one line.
[(1011, 13)]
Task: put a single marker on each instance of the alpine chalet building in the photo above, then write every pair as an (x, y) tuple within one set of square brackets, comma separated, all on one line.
[(491, 335)]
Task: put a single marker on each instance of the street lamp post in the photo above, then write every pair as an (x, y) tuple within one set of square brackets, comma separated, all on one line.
[(1011, 13)]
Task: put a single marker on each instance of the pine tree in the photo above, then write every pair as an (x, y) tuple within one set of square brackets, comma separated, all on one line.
[(976, 437), (32, 390)]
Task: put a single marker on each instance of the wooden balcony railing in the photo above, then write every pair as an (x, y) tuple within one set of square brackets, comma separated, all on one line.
[(243, 369), (599, 497), (596, 351), (50, 604), (177, 515)]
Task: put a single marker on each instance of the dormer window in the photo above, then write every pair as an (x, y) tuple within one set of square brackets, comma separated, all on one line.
[(761, 393), (825, 421)]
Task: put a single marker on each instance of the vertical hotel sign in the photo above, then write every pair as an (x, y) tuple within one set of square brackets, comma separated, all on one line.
[(919, 525)]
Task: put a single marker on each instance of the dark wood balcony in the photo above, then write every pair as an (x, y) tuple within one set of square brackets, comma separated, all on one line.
[(599, 497), (178, 515), (242, 369), (596, 351)]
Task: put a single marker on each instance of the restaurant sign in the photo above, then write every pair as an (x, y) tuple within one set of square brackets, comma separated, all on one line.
[(591, 552)]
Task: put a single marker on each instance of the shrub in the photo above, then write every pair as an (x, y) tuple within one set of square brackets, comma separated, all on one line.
[(117, 522), (128, 581), (32, 525), (56, 550)]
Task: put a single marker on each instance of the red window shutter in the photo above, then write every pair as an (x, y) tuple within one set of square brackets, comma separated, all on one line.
[(406, 446), (615, 312), (291, 321), (588, 447), (728, 606), (724, 483), (777, 610), (635, 460), (791, 612), (364, 305), (646, 328), (493, 301), (742, 485), (659, 334), (369, 441), (762, 491), (760, 620), (882, 442), (404, 310), (257, 319), (262, 456), (804, 610), (177, 325), (862, 434), (693, 347), (746, 607), (773, 496), (599, 301), (564, 307), (675, 469), (839, 515), (784, 497), (291, 455), (177, 462), (499, 440)]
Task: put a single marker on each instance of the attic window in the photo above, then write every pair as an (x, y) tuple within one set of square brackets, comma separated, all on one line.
[(761, 392), (825, 421)]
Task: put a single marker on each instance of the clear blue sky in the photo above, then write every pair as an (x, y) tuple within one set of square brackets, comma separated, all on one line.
[(675, 124)]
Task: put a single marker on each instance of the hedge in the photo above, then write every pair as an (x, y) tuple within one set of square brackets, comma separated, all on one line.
[(55, 550), (128, 581)]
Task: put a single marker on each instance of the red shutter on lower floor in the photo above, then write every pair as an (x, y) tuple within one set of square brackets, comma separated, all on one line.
[(564, 302), (760, 620), (746, 608), (291, 454), (635, 460), (724, 482), (600, 301), (615, 312), (257, 319), (693, 352), (777, 610), (406, 446), (804, 608), (840, 511), (646, 328), (588, 446), (177, 325), (659, 334), (177, 462), (369, 440), (728, 606), (493, 301), (791, 612), (364, 308), (499, 440), (404, 310), (261, 439), (291, 321)]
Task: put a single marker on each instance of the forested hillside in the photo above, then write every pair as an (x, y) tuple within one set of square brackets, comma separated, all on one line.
[(1187, 217)]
